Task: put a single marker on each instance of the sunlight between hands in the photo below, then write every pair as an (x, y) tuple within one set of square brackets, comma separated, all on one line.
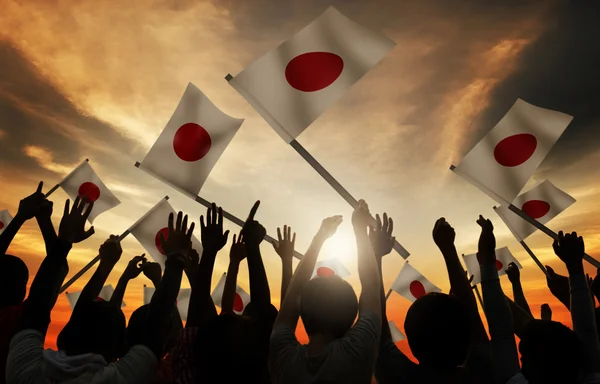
[(284, 246), (72, 224), (570, 249), (213, 238), (381, 235), (237, 253)]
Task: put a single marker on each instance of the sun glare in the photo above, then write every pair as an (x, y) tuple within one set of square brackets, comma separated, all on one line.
[(342, 245)]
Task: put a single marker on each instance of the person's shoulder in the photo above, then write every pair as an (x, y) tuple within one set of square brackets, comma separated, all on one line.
[(517, 379), (32, 335)]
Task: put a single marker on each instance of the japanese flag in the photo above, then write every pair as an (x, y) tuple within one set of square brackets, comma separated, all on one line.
[(105, 294), (396, 334), (84, 182), (182, 303), (330, 267), (240, 301), (147, 229), (191, 143), (506, 158), (543, 203), (503, 258), (411, 284), (292, 85), (5, 219)]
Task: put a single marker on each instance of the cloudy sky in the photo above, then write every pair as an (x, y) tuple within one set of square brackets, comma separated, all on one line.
[(99, 79)]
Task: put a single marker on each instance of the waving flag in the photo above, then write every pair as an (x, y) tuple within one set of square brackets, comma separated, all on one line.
[(105, 294), (240, 301), (295, 83), (411, 284), (330, 267), (503, 258), (5, 219), (506, 158), (191, 143), (182, 303)]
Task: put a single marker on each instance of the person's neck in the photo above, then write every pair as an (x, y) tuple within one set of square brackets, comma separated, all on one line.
[(318, 343)]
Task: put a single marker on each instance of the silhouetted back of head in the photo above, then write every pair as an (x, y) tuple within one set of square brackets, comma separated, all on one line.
[(550, 353), (328, 306), (438, 328), (13, 280), (94, 327), (138, 327)]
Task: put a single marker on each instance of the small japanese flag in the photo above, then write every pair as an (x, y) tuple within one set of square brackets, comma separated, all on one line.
[(5, 219), (330, 267), (506, 158), (105, 294), (147, 229), (411, 284), (503, 258), (396, 334), (292, 85), (241, 300), (543, 203), (84, 182), (182, 303), (191, 143)]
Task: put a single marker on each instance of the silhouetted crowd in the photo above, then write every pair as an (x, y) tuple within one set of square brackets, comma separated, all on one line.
[(349, 337)]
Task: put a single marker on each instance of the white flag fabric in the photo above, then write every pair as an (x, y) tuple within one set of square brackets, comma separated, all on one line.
[(330, 267), (84, 182), (543, 203), (182, 303), (240, 301), (396, 334), (506, 158), (147, 229), (292, 85), (5, 219), (191, 143), (503, 258), (105, 294), (411, 284)]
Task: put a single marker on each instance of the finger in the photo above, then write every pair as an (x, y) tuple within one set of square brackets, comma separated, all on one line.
[(88, 233), (385, 222), (190, 231), (179, 221), (170, 225), (202, 226), (226, 235), (279, 238), (88, 210), (220, 217), (39, 188), (66, 210), (76, 204), (285, 233), (241, 237), (234, 237), (390, 226), (253, 210), (162, 239), (184, 224), (550, 271), (555, 246), (289, 233), (294, 239), (378, 224), (208, 216)]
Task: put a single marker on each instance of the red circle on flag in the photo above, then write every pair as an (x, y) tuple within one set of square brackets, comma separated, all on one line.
[(99, 299), (313, 71), (238, 303), (165, 233), (325, 272), (515, 150), (417, 289), (1, 224), (499, 265), (89, 190), (536, 208), (191, 142)]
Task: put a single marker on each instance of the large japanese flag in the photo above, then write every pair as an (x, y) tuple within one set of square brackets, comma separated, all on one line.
[(192, 142), (295, 83), (5, 219), (330, 267), (182, 303), (503, 258), (105, 294), (543, 203), (396, 334), (147, 229), (506, 158), (240, 301), (84, 182), (411, 284)]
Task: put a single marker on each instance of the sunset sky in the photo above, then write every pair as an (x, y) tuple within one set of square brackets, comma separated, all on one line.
[(99, 79)]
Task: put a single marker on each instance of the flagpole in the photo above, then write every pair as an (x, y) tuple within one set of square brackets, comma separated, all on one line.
[(51, 191), (208, 204), (320, 170), (543, 228), (478, 296)]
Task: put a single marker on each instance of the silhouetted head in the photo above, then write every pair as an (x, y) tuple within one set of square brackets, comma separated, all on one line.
[(328, 306), (94, 327), (550, 353), (437, 329), (13, 280), (138, 323)]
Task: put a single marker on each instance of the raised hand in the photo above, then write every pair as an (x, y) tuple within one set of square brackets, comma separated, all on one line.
[(546, 312), (487, 242), (192, 262), (213, 238), (329, 226), (559, 286), (513, 273), (134, 267), (72, 225), (285, 244), (361, 217), (45, 210), (33, 204), (178, 243), (381, 236), (110, 252), (253, 232), (238, 249), (570, 249), (443, 234), (152, 271)]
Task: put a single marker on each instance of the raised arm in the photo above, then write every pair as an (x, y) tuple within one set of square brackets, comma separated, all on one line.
[(202, 308), (153, 272), (559, 286), (191, 268), (290, 311), (254, 233), (236, 255), (546, 312), (133, 270), (110, 253), (514, 276), (285, 249)]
